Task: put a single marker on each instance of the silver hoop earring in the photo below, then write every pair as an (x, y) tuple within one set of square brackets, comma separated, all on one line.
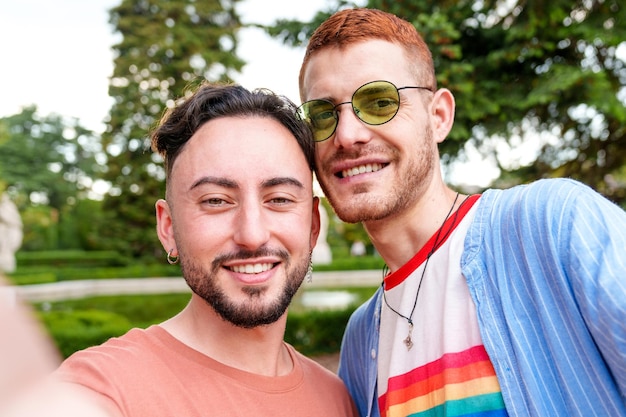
[(172, 259)]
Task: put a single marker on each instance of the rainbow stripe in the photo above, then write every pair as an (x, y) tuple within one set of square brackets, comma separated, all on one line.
[(457, 384)]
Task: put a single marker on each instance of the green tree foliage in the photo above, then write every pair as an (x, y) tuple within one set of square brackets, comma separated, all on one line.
[(47, 164), (524, 69), (166, 47), (47, 159)]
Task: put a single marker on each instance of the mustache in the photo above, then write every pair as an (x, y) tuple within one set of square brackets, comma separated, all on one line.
[(343, 154), (244, 254)]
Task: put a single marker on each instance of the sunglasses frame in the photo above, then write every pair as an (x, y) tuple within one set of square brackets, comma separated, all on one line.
[(305, 115)]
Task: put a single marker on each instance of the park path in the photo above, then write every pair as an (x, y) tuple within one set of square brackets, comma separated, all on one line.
[(65, 290)]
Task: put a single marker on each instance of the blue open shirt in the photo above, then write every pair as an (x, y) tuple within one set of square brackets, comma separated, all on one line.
[(546, 267)]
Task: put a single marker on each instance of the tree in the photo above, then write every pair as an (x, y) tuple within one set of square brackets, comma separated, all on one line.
[(167, 47), (521, 70), (47, 159), (50, 162)]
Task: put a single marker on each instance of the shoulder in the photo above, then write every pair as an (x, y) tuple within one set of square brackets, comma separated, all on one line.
[(116, 356), (538, 192), (311, 367), (545, 207), (543, 212), (318, 376), (547, 199)]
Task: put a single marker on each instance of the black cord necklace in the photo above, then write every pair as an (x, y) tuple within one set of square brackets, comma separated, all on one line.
[(438, 239)]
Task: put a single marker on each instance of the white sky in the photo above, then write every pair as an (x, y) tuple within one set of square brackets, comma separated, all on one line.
[(57, 54)]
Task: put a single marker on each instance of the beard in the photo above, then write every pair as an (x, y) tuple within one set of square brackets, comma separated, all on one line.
[(253, 312), (362, 206)]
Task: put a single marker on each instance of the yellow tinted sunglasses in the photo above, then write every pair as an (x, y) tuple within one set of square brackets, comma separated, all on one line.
[(375, 103)]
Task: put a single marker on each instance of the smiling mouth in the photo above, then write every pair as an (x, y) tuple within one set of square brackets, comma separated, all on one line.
[(361, 169), (251, 268)]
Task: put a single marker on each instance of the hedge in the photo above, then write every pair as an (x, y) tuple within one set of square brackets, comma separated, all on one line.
[(74, 258), (77, 330), (317, 332)]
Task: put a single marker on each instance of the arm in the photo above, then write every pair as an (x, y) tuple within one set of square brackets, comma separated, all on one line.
[(597, 265), (60, 400)]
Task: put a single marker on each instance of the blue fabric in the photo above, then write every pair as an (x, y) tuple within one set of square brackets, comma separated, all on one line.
[(546, 267)]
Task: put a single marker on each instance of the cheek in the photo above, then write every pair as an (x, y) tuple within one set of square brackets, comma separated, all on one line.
[(324, 148), (295, 231), (201, 233)]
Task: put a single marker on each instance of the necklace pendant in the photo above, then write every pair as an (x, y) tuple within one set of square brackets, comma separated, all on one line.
[(408, 342)]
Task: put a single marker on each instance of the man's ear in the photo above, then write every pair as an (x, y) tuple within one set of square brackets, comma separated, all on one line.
[(442, 114), (165, 228), (315, 221)]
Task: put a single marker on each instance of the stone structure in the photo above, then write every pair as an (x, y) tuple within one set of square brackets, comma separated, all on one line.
[(10, 233), (321, 253)]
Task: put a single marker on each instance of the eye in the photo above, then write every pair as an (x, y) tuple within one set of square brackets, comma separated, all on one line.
[(281, 200), (380, 105), (323, 119), (214, 202)]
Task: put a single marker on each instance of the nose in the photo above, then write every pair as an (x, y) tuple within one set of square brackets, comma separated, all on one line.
[(350, 129), (251, 229)]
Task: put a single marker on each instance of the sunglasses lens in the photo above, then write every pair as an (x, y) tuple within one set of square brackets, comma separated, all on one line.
[(321, 116), (376, 103)]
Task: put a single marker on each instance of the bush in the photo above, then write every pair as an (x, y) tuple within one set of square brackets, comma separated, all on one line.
[(311, 333), (74, 258), (77, 330), (352, 263), (130, 271), (316, 332), (41, 274), (77, 324), (32, 278)]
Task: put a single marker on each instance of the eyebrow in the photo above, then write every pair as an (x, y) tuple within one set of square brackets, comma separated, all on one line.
[(222, 182), (282, 181), (226, 183)]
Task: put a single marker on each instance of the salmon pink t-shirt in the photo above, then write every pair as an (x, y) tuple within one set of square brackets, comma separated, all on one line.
[(149, 373)]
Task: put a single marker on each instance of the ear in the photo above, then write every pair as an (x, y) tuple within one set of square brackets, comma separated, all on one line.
[(442, 114), (315, 221), (165, 228)]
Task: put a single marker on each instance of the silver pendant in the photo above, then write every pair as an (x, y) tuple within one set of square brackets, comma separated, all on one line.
[(408, 342)]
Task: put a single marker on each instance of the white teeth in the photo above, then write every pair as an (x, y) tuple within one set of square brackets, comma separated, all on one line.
[(361, 169), (251, 268)]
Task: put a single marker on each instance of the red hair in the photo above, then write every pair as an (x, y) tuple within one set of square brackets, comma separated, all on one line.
[(350, 26)]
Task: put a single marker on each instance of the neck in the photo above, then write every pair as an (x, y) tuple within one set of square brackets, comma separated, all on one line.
[(259, 350), (398, 238)]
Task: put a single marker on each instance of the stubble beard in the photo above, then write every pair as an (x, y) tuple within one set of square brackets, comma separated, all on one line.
[(362, 206), (252, 313)]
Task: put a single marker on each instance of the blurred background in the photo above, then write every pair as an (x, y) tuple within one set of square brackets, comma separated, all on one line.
[(540, 90)]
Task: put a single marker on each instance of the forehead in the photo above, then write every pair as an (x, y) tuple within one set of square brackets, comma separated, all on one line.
[(242, 149), (334, 72)]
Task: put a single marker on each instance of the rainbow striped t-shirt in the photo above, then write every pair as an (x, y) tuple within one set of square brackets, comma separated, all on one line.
[(444, 370)]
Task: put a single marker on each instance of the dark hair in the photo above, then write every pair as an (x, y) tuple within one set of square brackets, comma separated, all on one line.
[(211, 101)]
